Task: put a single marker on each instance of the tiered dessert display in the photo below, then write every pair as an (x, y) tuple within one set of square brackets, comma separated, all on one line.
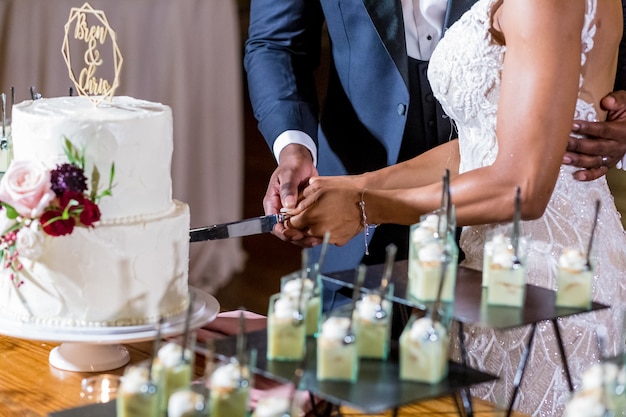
[(94, 249)]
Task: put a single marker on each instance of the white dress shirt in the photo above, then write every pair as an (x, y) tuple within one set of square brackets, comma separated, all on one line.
[(423, 24)]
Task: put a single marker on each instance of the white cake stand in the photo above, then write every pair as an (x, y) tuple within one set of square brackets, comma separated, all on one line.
[(100, 349)]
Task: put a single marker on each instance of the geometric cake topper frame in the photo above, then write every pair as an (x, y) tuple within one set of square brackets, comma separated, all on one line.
[(88, 83)]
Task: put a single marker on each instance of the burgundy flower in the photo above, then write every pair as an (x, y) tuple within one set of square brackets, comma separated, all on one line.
[(90, 213), (68, 196), (54, 225), (68, 177)]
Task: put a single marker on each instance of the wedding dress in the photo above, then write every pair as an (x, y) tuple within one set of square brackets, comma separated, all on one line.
[(465, 72)]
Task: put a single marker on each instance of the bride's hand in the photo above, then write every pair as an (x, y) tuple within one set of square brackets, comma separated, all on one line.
[(329, 204)]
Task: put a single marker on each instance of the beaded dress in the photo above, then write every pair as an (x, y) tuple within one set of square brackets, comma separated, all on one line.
[(465, 73)]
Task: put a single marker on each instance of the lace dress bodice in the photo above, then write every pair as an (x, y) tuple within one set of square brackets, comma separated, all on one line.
[(465, 74)]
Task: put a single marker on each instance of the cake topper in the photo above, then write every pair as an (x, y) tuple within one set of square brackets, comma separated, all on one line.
[(87, 31)]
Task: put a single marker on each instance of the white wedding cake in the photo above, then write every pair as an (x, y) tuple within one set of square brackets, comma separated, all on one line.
[(110, 252)]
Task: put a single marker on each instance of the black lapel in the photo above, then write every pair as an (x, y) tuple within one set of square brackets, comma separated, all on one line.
[(387, 18), (455, 9)]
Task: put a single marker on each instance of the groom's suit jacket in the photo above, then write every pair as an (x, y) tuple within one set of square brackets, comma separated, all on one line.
[(362, 120)]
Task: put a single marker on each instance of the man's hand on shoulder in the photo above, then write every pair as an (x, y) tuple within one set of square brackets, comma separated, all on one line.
[(597, 146)]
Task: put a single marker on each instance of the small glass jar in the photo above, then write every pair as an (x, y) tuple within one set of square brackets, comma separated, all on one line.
[(372, 324), (229, 389), (337, 348), (291, 285), (138, 395), (173, 369), (424, 268), (286, 337), (424, 346), (507, 275), (575, 279)]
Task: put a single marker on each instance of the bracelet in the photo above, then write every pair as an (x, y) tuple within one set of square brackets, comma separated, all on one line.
[(366, 226)]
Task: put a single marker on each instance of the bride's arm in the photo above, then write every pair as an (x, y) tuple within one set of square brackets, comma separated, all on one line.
[(538, 94)]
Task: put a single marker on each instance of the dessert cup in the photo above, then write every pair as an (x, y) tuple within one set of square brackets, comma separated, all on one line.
[(336, 359), (286, 337), (186, 403), (272, 407), (291, 285), (506, 280), (575, 280), (138, 395), (373, 329), (424, 269), (172, 369), (496, 241), (230, 390), (424, 348)]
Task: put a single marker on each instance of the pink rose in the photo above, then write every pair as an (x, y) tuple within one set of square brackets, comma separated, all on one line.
[(26, 187)]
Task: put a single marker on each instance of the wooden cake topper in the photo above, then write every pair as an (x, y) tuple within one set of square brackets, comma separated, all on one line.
[(87, 31)]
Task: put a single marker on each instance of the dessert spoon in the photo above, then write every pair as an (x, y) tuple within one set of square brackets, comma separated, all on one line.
[(298, 318), (384, 283), (360, 277), (516, 232), (187, 325), (593, 231)]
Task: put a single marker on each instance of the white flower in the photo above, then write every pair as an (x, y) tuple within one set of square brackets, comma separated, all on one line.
[(29, 242)]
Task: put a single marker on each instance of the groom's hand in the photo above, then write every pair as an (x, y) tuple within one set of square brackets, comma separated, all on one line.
[(604, 143)]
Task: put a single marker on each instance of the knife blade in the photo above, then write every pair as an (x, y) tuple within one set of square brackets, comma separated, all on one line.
[(246, 227)]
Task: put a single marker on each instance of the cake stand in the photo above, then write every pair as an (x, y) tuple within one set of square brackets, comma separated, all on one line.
[(97, 349)]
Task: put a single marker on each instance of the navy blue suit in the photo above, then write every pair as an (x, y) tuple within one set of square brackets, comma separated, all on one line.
[(362, 122)]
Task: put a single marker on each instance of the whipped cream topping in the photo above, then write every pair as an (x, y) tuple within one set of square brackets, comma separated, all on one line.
[(369, 305), (573, 259), (426, 231), (590, 401), (502, 256), (335, 328), (171, 353), (421, 328), (271, 407), (431, 252), (134, 378), (292, 288), (497, 242), (184, 402), (285, 307), (226, 376)]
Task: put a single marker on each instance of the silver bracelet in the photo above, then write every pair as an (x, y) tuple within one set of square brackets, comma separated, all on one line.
[(366, 225)]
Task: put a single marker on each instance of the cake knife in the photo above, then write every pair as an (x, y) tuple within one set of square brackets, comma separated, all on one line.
[(246, 227)]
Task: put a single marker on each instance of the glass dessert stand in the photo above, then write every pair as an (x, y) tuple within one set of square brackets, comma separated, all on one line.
[(100, 349)]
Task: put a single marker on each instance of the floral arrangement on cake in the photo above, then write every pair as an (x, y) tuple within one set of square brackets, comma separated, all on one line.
[(36, 201)]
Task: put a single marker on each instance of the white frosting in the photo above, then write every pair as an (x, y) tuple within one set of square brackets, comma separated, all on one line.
[(369, 305), (130, 269), (271, 407), (426, 230), (502, 256), (184, 402), (335, 328), (431, 252), (497, 243), (135, 377), (293, 286), (573, 259), (421, 328), (285, 307), (171, 353), (226, 376), (134, 134)]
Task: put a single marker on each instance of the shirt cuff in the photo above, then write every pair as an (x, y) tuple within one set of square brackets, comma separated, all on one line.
[(621, 164), (295, 136)]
